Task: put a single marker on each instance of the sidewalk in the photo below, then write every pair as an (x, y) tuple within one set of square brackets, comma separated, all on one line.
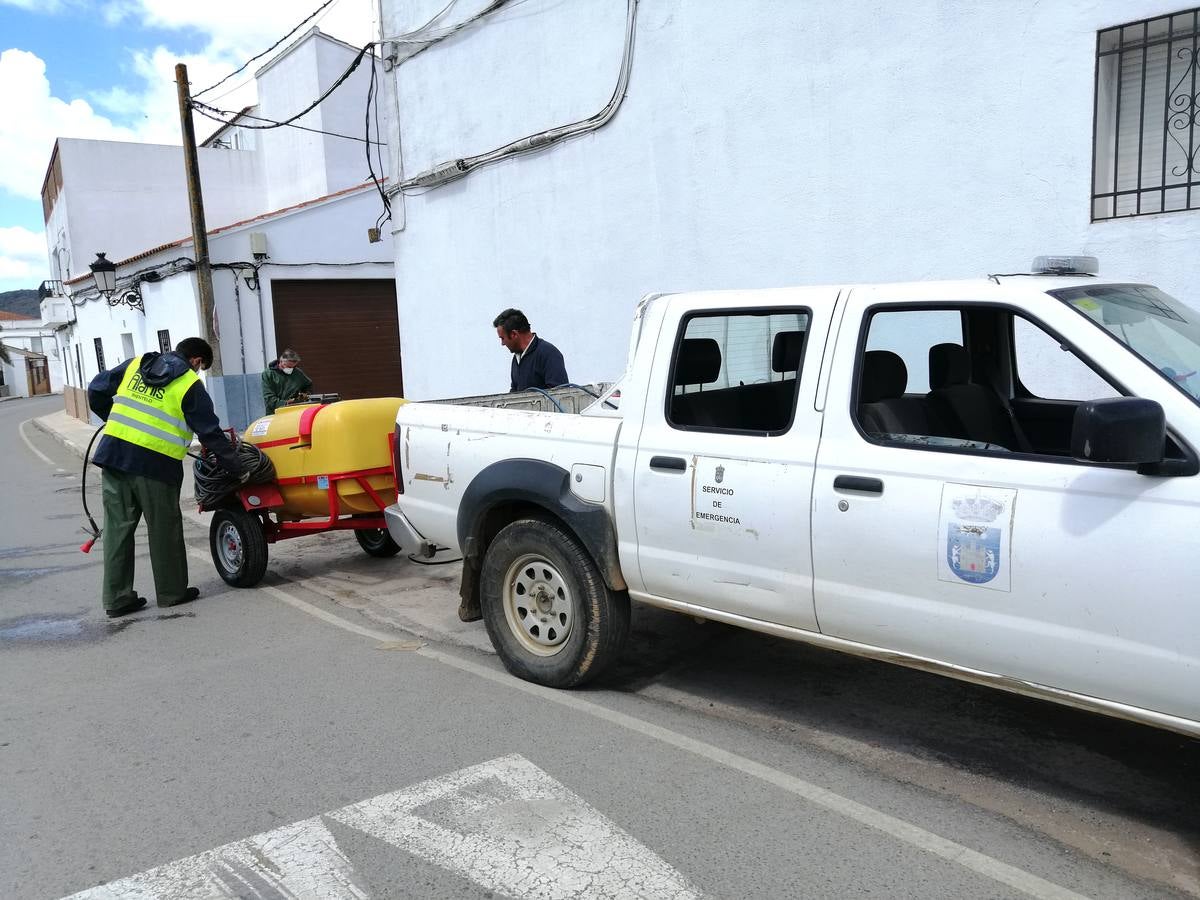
[(420, 599)]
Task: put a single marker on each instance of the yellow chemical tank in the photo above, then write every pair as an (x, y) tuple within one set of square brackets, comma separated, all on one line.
[(313, 446)]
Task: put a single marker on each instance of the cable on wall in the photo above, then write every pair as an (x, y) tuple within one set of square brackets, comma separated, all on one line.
[(455, 169)]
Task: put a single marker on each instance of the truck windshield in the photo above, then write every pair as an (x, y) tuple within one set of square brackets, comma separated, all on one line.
[(1155, 326)]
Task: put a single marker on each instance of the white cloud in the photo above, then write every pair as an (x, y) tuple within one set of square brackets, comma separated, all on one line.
[(235, 30), (22, 257), (30, 120)]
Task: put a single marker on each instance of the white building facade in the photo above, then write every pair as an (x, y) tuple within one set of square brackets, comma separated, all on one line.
[(761, 143), (35, 358), (310, 245)]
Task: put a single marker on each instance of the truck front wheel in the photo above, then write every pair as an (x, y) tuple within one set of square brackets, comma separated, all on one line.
[(548, 612)]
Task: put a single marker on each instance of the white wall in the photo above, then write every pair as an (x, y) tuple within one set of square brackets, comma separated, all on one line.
[(292, 157), (170, 304), (125, 198), (327, 240), (346, 160), (16, 376), (24, 333), (760, 143)]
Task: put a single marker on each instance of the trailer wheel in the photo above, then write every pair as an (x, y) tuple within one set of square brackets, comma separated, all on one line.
[(239, 547), (376, 542), (548, 612)]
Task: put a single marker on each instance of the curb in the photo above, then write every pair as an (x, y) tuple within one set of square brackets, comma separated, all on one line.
[(61, 438)]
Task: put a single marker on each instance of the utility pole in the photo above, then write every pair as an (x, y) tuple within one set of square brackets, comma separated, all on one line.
[(199, 229)]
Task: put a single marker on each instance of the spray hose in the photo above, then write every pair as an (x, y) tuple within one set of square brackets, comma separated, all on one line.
[(94, 530)]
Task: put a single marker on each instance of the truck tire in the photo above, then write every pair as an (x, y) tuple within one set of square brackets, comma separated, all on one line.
[(376, 542), (548, 612), (239, 547)]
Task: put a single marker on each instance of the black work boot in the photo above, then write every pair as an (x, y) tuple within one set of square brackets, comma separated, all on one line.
[(188, 596), (126, 606)]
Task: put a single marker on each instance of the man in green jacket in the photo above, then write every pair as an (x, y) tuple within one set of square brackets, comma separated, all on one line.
[(284, 380)]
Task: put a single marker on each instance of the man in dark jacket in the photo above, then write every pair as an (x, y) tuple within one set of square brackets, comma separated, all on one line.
[(536, 363), (284, 381), (151, 405)]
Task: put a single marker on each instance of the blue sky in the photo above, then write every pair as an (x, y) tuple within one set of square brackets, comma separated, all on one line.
[(104, 69)]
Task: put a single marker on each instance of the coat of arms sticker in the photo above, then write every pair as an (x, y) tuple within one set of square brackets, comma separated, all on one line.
[(974, 536)]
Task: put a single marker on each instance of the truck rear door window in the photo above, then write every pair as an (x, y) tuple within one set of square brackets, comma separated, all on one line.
[(737, 372)]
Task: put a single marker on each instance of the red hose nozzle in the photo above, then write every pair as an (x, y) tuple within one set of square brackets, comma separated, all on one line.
[(86, 546)]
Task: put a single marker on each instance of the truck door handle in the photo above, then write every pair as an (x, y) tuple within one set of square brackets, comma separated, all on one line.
[(858, 483), (668, 463)]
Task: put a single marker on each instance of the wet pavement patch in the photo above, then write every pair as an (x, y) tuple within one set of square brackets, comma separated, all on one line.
[(78, 628)]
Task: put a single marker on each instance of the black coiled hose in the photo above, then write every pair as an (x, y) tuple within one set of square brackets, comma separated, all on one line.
[(214, 484)]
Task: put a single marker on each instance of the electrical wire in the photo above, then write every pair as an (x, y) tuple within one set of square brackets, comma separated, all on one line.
[(234, 123), (433, 562), (546, 394), (590, 393), (423, 43), (418, 30), (196, 104), (245, 65), (387, 203)]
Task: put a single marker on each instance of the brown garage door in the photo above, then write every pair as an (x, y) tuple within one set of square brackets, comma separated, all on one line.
[(346, 333)]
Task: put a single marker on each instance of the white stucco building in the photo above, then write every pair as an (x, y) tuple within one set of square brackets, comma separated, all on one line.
[(304, 192), (761, 143), (35, 359)]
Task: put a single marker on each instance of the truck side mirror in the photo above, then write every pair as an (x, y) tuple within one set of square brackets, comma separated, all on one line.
[(1122, 430)]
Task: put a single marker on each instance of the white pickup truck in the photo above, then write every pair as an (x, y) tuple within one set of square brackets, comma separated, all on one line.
[(990, 479)]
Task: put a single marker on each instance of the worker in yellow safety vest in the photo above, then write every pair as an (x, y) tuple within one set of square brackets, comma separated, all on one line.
[(151, 405)]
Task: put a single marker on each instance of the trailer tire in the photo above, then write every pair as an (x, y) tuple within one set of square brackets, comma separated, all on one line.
[(547, 610), (376, 542), (239, 547)]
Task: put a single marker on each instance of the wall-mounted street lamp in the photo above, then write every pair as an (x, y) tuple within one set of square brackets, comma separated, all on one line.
[(104, 271)]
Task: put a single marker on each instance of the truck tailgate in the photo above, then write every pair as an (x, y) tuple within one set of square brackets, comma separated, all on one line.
[(443, 447)]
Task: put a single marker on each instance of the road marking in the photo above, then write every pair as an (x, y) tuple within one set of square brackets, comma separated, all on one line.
[(28, 443), (510, 827), (505, 825), (298, 860), (904, 831)]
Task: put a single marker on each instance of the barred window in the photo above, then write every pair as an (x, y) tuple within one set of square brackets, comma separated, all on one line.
[(1147, 99)]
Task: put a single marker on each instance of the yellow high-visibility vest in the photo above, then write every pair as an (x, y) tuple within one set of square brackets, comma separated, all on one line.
[(149, 416)]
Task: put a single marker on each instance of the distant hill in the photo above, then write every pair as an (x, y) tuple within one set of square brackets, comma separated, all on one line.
[(24, 302)]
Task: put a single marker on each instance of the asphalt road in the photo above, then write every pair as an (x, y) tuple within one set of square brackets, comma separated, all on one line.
[(712, 763)]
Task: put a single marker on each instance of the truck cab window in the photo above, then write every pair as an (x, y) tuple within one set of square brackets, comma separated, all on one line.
[(1048, 371), (737, 372), (970, 378)]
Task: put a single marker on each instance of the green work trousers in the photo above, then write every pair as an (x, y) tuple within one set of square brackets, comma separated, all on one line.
[(126, 499)]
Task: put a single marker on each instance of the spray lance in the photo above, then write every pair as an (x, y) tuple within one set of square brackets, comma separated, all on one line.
[(92, 528)]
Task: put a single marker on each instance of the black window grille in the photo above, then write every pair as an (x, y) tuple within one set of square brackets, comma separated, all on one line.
[(1147, 100), (100, 355), (164, 341)]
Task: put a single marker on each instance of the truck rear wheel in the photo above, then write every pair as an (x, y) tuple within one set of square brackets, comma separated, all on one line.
[(239, 547), (376, 542), (548, 612)]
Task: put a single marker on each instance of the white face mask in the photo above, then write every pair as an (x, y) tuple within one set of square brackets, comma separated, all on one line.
[(286, 370)]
